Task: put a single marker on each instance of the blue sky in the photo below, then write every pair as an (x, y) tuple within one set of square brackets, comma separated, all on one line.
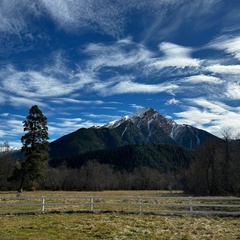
[(88, 62)]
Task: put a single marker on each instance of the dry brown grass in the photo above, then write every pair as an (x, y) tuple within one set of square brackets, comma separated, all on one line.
[(117, 226), (156, 193), (114, 225)]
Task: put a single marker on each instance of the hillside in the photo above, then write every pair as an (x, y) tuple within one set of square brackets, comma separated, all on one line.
[(162, 157)]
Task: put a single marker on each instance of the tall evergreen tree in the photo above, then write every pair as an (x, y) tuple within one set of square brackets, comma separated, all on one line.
[(35, 147)]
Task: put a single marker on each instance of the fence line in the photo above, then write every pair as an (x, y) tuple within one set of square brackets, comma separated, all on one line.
[(140, 204)]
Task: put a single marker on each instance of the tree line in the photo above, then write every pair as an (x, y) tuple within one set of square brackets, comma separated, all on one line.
[(214, 168)]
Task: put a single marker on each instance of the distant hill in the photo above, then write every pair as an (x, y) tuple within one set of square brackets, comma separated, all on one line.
[(143, 127), (162, 157)]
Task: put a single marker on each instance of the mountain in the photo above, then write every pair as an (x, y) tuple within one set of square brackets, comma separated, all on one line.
[(143, 127)]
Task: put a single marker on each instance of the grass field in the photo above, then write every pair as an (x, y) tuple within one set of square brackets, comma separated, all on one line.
[(114, 225)]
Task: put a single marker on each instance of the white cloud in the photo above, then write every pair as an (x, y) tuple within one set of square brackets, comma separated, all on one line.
[(68, 125), (12, 16), (42, 83), (65, 125), (167, 16), (171, 50), (123, 53), (128, 86), (17, 29), (108, 17), (2, 99), (135, 106), (4, 114), (172, 101), (11, 129), (26, 102), (215, 107), (210, 116), (71, 100), (175, 56), (194, 116), (102, 116), (102, 16), (233, 91), (202, 79), (56, 80), (224, 69), (228, 43), (176, 62)]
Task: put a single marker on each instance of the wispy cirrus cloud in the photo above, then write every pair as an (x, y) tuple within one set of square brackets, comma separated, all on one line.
[(224, 69), (26, 102), (102, 116), (15, 15), (18, 29), (202, 79), (228, 43), (75, 15), (37, 83), (128, 86), (210, 116), (233, 91), (76, 101), (58, 80), (106, 17), (123, 53), (11, 128), (175, 56), (68, 125)]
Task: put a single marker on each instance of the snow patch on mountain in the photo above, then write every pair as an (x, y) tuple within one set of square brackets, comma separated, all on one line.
[(140, 113), (176, 130), (115, 123)]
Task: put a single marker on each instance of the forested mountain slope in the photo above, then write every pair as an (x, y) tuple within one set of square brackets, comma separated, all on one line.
[(162, 157)]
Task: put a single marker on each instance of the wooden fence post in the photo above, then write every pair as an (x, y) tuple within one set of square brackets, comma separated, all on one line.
[(190, 205), (43, 205), (91, 203), (139, 204)]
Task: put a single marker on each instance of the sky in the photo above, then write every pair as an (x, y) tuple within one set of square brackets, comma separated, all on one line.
[(89, 62)]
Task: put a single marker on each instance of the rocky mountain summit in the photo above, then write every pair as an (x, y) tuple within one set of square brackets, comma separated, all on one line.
[(157, 129)]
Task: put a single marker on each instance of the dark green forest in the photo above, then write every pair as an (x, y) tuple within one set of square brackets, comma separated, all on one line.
[(161, 157)]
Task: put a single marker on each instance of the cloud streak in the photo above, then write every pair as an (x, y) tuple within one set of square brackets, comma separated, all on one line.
[(229, 44), (224, 69), (210, 116), (174, 56), (34, 83), (124, 87)]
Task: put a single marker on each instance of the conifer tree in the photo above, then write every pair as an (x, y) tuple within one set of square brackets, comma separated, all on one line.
[(35, 147)]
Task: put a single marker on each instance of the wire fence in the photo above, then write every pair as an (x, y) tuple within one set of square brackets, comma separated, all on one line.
[(131, 204)]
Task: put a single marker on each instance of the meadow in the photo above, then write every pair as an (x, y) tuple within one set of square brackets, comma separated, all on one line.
[(114, 225)]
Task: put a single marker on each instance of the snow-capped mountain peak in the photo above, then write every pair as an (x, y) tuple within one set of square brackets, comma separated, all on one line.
[(147, 123), (141, 112), (145, 113)]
